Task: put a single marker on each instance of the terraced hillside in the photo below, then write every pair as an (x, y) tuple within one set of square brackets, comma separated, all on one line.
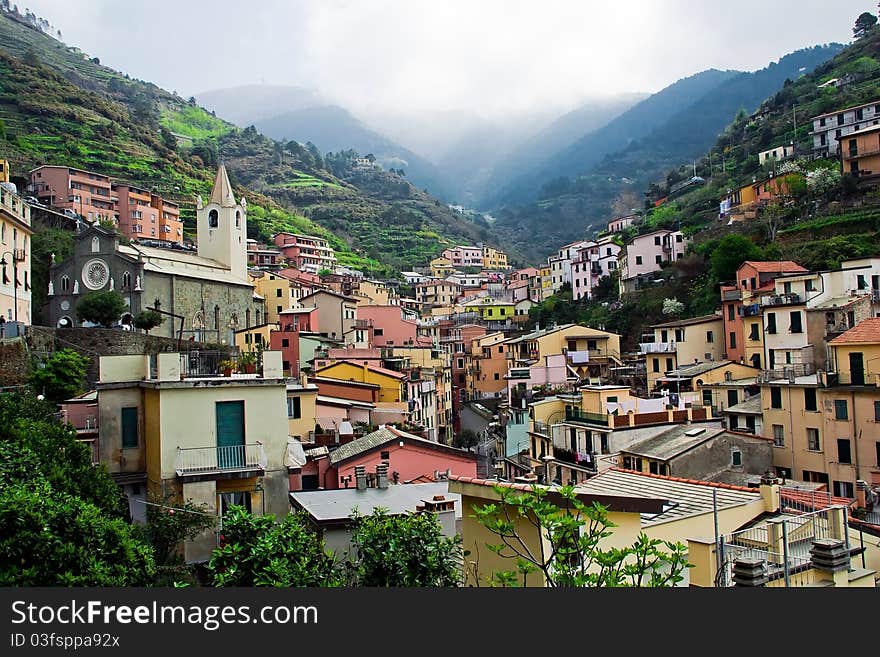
[(59, 106)]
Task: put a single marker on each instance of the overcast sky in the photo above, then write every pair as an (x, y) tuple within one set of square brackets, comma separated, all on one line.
[(494, 55)]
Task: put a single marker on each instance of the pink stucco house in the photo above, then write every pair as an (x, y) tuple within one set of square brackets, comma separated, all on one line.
[(409, 458), (552, 371), (647, 254), (388, 327)]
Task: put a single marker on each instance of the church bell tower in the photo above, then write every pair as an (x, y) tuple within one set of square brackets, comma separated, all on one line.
[(221, 226)]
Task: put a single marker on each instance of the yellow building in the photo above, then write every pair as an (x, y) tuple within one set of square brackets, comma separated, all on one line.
[(391, 384), (174, 423), (276, 291), (492, 310), (255, 337), (302, 398), (493, 258), (825, 426), (376, 293), (624, 512), (588, 351), (4, 170), (660, 507), (682, 342), (486, 366), (441, 267), (546, 275), (15, 255), (695, 378)]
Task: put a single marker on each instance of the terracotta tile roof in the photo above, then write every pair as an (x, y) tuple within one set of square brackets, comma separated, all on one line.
[(815, 499), (774, 266), (698, 482), (866, 331), (381, 437)]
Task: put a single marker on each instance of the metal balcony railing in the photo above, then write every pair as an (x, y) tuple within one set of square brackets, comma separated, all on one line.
[(781, 300), (656, 347), (787, 372), (731, 295), (208, 460), (583, 417)]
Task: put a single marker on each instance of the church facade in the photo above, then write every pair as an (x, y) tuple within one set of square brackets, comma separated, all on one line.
[(206, 294)]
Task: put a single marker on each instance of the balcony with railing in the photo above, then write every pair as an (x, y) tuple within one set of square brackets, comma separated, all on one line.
[(731, 295), (577, 416), (577, 357), (790, 299), (851, 378), (519, 373), (211, 364), (790, 371), (212, 462), (656, 347), (540, 427)]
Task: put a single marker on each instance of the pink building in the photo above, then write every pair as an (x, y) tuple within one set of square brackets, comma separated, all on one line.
[(409, 457), (306, 252), (646, 254), (142, 214), (388, 327), (553, 371), (518, 291), (82, 413), (88, 194), (525, 274), (619, 223), (260, 255), (464, 256)]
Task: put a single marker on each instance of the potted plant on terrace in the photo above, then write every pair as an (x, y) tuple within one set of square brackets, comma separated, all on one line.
[(226, 367), (247, 362)]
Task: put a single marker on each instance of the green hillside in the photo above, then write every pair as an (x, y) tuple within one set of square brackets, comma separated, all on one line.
[(58, 106)]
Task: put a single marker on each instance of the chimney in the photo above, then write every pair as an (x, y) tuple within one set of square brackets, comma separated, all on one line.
[(360, 476), (382, 475)]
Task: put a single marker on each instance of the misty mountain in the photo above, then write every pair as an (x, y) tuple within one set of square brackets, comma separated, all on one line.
[(333, 128), (633, 124), (477, 155), (294, 113), (562, 132), (576, 203), (248, 104), (690, 132)]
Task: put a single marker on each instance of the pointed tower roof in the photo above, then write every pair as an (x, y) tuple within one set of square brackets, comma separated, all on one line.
[(222, 192)]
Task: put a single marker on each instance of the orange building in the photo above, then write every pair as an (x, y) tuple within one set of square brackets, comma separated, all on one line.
[(743, 203), (142, 214), (860, 152), (741, 300), (487, 366)]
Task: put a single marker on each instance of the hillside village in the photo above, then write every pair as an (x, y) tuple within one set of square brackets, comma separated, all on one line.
[(698, 376)]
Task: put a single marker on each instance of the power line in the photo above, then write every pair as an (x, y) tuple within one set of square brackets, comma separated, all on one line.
[(175, 508)]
